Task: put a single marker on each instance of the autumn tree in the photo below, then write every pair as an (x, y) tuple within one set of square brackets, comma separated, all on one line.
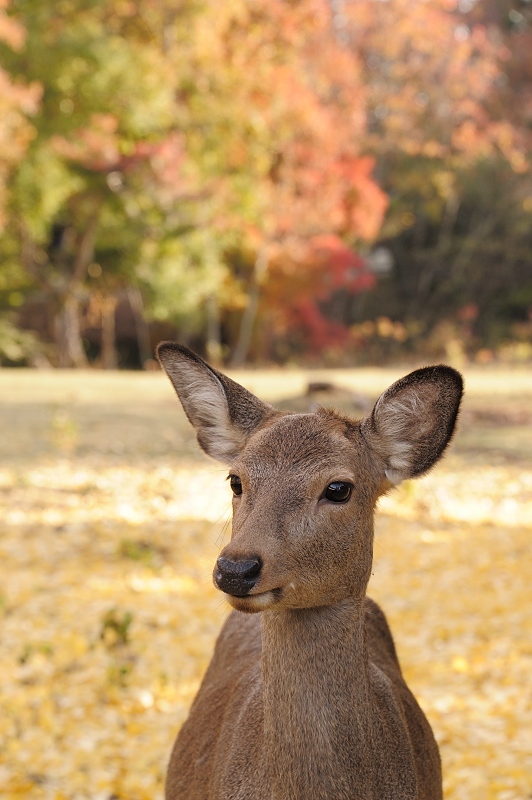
[(173, 136), (19, 102), (291, 166), (78, 196), (233, 163), (452, 153)]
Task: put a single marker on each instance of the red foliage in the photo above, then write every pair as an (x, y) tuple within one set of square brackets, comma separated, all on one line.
[(335, 266), (311, 329), (300, 282)]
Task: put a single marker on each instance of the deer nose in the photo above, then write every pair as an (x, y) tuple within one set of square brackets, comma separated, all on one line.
[(237, 577)]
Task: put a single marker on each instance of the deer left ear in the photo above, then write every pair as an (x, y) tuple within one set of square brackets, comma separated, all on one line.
[(223, 413), (413, 421)]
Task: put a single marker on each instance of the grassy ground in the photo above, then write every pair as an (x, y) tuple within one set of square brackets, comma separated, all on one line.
[(112, 521)]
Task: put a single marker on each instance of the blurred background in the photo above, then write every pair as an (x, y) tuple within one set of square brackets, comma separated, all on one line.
[(320, 181), (316, 195)]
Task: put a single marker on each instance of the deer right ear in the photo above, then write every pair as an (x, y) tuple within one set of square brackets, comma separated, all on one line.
[(413, 421), (223, 413)]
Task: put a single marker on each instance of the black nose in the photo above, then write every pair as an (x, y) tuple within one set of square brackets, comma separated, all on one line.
[(237, 577)]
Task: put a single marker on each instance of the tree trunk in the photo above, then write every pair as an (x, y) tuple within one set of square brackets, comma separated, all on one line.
[(250, 312), (141, 328), (214, 336), (70, 351), (109, 357)]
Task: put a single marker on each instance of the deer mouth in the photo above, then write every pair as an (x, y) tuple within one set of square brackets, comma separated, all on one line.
[(253, 603)]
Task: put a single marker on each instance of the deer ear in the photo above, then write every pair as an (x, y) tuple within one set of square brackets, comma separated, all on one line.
[(414, 420), (223, 413)]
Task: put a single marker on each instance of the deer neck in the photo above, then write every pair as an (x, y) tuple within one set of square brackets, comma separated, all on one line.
[(317, 701)]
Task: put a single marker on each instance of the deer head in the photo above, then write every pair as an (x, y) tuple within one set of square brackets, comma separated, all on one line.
[(305, 485)]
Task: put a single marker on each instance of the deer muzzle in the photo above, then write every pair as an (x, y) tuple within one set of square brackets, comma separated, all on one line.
[(237, 578)]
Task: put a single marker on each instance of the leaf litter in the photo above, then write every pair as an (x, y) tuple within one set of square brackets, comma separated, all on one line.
[(109, 616)]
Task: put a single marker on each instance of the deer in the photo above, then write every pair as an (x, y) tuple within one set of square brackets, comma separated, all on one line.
[(304, 698)]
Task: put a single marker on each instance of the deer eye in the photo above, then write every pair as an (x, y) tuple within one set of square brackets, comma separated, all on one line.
[(338, 491), (235, 484)]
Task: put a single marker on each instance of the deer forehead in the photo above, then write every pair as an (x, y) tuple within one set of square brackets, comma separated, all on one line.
[(304, 445)]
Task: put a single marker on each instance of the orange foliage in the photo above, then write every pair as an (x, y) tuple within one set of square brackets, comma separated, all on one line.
[(429, 82), (17, 100)]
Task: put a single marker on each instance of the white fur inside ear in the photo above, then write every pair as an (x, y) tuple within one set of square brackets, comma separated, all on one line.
[(394, 476), (395, 418), (210, 415), (205, 403), (401, 422), (413, 422)]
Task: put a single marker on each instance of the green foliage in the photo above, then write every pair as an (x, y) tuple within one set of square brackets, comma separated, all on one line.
[(44, 648), (42, 186), (141, 551), (115, 627), (16, 347), (119, 674), (182, 275)]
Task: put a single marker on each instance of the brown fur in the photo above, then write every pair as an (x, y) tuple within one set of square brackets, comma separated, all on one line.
[(306, 700)]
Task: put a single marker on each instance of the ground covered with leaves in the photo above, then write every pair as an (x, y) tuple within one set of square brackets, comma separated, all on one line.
[(111, 522)]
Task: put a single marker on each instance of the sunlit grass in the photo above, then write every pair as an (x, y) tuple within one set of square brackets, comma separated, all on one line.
[(112, 522)]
